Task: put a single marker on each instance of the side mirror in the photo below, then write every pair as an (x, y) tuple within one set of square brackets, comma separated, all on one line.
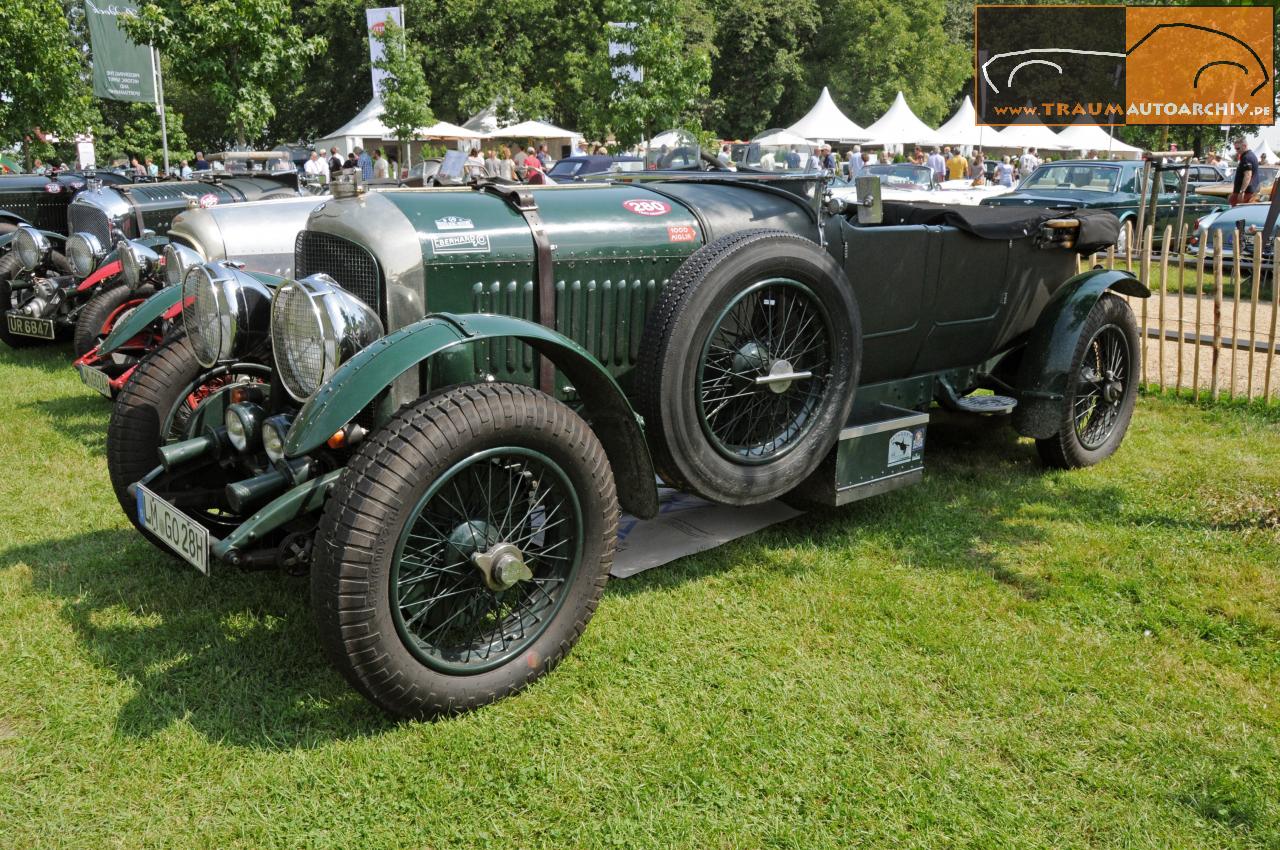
[(870, 209)]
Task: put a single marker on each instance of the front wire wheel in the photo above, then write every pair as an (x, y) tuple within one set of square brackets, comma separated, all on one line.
[(464, 549), (1102, 389)]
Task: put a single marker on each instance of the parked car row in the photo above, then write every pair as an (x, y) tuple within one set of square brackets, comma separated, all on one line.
[(435, 404)]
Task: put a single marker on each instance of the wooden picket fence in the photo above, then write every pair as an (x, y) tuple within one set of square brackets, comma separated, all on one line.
[(1208, 331)]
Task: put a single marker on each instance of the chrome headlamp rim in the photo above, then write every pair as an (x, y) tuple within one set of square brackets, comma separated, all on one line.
[(178, 259), (85, 252), (136, 262), (344, 324), (31, 246), (221, 293)]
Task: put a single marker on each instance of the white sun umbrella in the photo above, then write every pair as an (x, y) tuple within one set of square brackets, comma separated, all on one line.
[(900, 126), (826, 123), (1262, 149), (782, 138), (446, 130)]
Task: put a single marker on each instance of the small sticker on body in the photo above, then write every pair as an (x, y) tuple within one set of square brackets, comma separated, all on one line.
[(900, 447), (647, 206), (682, 233), (208, 200), (454, 222), (461, 243)]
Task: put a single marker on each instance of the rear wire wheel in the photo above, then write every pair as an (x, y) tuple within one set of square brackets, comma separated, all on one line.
[(464, 549)]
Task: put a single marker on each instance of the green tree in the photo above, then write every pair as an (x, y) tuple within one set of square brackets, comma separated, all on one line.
[(133, 129), (42, 84), (406, 97), (758, 59), (237, 52), (670, 45), (867, 51)]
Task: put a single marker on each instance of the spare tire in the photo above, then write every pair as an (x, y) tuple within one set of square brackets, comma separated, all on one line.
[(747, 366)]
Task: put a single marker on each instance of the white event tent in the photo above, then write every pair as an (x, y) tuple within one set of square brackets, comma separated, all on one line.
[(900, 126), (826, 123), (559, 140), (367, 130), (963, 129), (1090, 137), (1029, 132), (1262, 149)]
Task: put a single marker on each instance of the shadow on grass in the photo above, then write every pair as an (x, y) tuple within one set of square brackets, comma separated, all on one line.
[(82, 418), (235, 656), (52, 357), (984, 490)]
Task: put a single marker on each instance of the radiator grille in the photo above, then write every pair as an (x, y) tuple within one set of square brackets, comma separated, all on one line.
[(82, 218), (350, 265)]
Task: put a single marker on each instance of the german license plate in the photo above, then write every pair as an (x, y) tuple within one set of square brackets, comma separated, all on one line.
[(28, 326), (179, 532), (96, 379)]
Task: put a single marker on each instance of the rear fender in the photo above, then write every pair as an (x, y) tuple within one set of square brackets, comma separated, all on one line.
[(1046, 361), (151, 310), (362, 378)]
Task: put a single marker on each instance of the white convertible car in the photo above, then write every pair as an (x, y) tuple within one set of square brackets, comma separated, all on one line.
[(908, 182)]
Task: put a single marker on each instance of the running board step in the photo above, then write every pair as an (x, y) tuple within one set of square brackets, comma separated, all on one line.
[(986, 404)]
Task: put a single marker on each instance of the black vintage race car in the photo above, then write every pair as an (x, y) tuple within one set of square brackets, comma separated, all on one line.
[(439, 417), (45, 287)]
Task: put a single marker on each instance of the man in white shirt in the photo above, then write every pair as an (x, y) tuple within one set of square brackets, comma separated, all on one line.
[(316, 167), (1028, 163), (938, 163)]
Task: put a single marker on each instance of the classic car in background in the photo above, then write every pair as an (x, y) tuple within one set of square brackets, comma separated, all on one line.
[(121, 324), (1200, 175), (915, 183), (42, 201), (436, 417), (574, 168), (1237, 224), (1113, 186), (41, 301), (1226, 186)]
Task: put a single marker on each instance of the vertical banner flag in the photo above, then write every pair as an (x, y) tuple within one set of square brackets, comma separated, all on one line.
[(376, 20), (122, 70)]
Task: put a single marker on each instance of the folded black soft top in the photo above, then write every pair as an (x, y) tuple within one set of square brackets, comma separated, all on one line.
[(1098, 228)]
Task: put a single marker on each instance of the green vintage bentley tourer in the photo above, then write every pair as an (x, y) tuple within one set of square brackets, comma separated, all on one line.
[(439, 417)]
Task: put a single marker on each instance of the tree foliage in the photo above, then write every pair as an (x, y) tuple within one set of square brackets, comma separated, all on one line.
[(759, 61), (242, 54), (406, 97), (130, 129), (867, 51), (42, 84)]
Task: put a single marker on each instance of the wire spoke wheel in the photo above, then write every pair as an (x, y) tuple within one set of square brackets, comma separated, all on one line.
[(1100, 387), (482, 567), (763, 371)]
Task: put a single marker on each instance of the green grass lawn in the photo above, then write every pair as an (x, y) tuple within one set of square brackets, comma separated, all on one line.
[(999, 657)]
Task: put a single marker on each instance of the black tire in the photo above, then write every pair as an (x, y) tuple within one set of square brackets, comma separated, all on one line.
[(9, 268), (150, 411), (682, 390), (91, 324), (386, 493), (1102, 389)]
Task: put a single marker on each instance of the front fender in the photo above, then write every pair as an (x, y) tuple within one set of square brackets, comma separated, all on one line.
[(362, 378), (108, 268), (1046, 361), (147, 312)]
